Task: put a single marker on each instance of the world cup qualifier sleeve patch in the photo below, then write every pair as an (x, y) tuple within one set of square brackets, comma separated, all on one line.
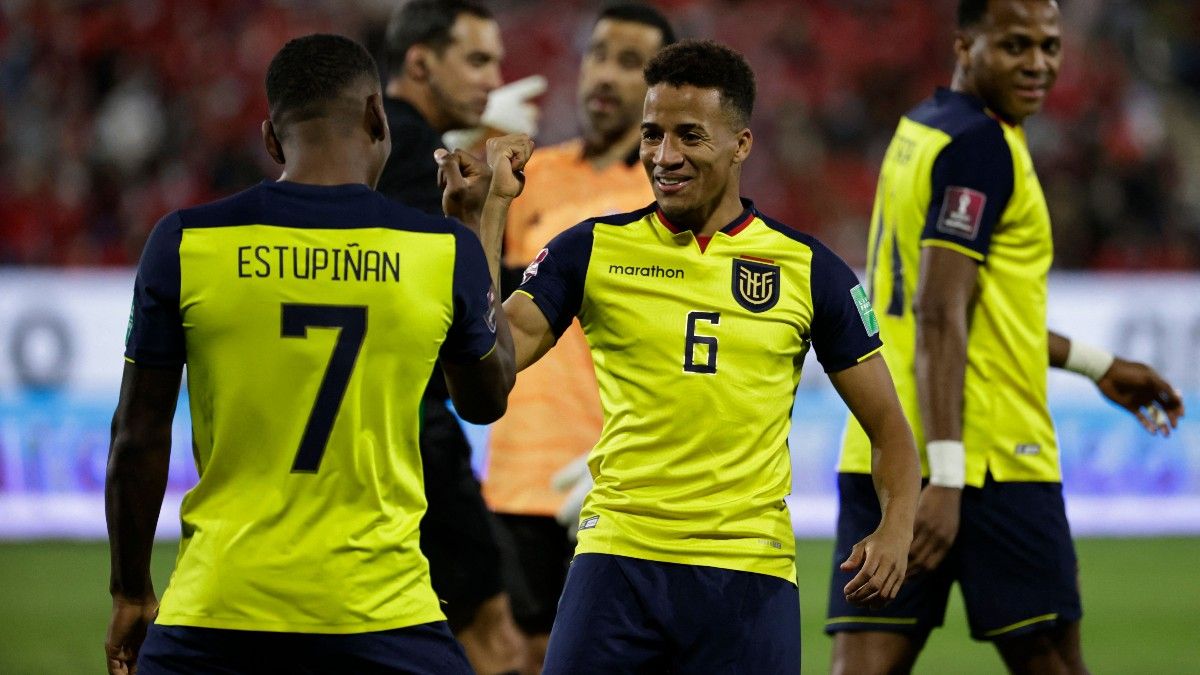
[(865, 311), (962, 212)]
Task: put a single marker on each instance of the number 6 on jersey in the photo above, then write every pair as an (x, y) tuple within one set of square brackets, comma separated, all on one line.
[(709, 367)]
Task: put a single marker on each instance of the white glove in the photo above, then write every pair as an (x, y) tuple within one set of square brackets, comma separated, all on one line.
[(576, 480), (509, 110)]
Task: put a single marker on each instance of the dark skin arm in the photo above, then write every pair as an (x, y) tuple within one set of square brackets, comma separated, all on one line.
[(1134, 386), (881, 557), (133, 492), (942, 306)]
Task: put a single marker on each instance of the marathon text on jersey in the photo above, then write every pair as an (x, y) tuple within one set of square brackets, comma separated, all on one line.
[(647, 271)]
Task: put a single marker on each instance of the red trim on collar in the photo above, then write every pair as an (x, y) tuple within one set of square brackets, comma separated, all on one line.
[(662, 218), (740, 226), (703, 242)]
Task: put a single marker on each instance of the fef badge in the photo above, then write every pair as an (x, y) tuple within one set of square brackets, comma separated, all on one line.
[(755, 284)]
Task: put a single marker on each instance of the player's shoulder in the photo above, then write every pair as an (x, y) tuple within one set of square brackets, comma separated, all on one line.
[(621, 219), (958, 115), (790, 236), (241, 208)]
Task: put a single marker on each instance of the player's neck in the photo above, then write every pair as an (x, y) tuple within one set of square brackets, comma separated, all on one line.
[(331, 166), (603, 152), (705, 222)]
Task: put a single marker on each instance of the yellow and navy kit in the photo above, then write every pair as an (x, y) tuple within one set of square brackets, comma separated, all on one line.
[(698, 346), (956, 175), (309, 318)]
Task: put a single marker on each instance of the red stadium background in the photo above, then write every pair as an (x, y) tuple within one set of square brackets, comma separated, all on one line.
[(113, 113)]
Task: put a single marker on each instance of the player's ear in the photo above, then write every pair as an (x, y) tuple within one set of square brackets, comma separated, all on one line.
[(745, 140), (376, 118), (271, 141), (963, 40), (416, 62)]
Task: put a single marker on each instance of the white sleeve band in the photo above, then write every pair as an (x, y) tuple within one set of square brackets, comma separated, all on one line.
[(1087, 360), (947, 463)]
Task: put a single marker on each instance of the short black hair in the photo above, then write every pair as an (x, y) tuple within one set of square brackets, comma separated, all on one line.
[(312, 71), (636, 12), (707, 65), (971, 13), (425, 22)]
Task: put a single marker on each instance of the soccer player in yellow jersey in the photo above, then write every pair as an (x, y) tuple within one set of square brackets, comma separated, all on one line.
[(960, 247), (309, 312), (554, 414), (699, 311)]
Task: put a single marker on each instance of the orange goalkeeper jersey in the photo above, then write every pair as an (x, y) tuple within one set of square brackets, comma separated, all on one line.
[(554, 410)]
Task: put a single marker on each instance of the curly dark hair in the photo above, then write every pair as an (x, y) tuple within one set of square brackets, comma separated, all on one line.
[(311, 72), (707, 65)]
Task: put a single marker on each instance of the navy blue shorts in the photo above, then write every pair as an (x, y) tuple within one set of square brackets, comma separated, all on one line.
[(427, 649), (626, 615), (1013, 558)]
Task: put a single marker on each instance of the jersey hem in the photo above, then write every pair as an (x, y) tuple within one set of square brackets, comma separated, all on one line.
[(697, 560), (195, 621)]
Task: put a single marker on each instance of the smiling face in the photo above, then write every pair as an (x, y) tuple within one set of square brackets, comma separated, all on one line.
[(692, 149), (1011, 58)]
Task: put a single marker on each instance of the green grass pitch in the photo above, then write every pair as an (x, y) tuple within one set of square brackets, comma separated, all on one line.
[(1141, 606)]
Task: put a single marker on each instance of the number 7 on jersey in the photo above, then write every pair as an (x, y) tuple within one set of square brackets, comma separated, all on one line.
[(352, 321)]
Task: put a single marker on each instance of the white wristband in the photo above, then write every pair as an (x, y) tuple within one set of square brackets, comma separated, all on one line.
[(1087, 360), (947, 463)]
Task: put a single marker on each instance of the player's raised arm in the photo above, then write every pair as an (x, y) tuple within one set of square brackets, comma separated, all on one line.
[(133, 492), (1134, 386), (479, 192), (882, 556)]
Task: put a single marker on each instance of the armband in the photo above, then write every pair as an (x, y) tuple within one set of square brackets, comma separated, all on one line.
[(947, 463), (1087, 360)]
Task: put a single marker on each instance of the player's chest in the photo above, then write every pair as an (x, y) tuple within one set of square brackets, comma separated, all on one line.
[(737, 299)]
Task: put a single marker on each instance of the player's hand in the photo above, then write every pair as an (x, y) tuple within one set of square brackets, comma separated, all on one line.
[(464, 179), (575, 479), (880, 558), (506, 157), (935, 527), (131, 617), (1137, 388)]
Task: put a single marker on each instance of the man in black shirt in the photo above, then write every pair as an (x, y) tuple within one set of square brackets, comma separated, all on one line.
[(443, 59)]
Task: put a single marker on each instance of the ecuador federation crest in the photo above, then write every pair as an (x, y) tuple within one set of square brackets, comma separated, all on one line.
[(755, 284)]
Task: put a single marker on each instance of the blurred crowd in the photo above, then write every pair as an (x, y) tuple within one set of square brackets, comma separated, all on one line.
[(113, 113)]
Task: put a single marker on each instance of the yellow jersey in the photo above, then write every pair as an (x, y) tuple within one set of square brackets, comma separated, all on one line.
[(957, 175), (309, 318), (698, 347)]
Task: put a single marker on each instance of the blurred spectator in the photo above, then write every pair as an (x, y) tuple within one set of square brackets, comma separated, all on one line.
[(113, 113)]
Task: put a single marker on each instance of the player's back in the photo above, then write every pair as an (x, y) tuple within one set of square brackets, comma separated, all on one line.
[(311, 318)]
